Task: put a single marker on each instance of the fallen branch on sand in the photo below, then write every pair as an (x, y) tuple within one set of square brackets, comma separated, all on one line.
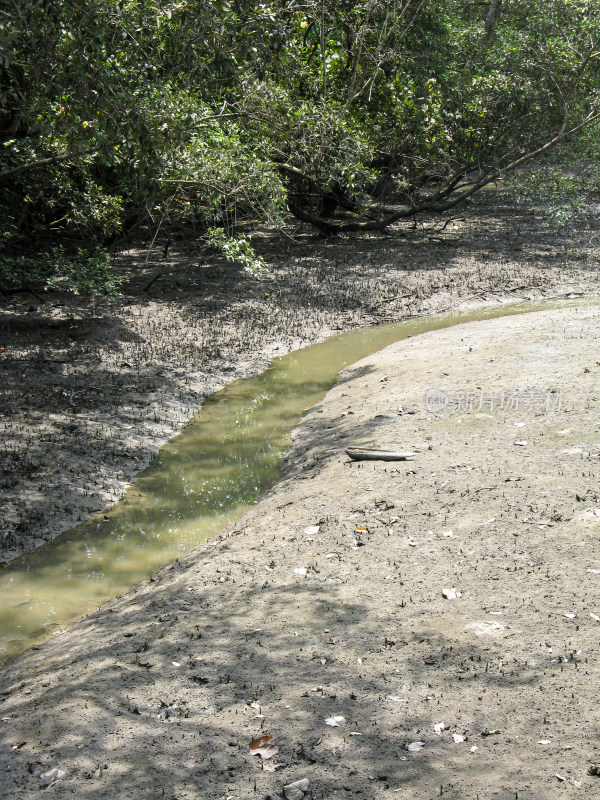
[(360, 454)]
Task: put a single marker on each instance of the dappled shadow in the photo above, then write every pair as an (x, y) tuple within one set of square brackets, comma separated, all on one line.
[(181, 682), (324, 434), (491, 236), (45, 331)]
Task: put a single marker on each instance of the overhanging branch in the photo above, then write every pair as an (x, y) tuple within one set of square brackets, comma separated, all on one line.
[(45, 162), (442, 199)]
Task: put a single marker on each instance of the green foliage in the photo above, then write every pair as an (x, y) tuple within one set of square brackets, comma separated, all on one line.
[(237, 249), (566, 183), (85, 272), (213, 170), (115, 113)]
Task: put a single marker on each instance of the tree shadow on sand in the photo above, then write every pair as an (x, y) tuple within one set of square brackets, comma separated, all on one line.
[(181, 684)]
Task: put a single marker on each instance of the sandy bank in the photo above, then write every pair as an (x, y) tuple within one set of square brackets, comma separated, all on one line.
[(277, 627)]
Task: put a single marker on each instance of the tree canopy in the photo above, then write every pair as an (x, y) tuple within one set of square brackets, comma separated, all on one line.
[(348, 115)]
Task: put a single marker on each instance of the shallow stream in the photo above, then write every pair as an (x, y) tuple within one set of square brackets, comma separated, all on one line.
[(205, 477)]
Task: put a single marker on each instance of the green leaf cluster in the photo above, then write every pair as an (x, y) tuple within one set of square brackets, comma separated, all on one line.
[(120, 114)]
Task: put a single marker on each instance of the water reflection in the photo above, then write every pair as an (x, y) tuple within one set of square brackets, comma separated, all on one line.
[(205, 478)]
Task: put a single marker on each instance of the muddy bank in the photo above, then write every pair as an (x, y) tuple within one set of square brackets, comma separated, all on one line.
[(90, 390), (450, 601)]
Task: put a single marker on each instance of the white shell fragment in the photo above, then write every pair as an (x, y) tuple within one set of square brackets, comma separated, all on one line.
[(484, 628), (52, 776), (451, 594), (296, 790)]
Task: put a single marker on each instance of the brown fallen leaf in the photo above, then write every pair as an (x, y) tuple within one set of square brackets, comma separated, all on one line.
[(263, 747)]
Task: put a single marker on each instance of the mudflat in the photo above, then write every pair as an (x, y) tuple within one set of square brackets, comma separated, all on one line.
[(413, 629), (91, 389)]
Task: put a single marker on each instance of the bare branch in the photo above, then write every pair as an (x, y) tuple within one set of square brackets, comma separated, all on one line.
[(294, 172), (582, 68), (381, 44), (358, 54), (561, 136), (44, 162), (328, 228)]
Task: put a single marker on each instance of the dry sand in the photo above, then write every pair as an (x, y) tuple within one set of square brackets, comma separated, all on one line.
[(327, 601)]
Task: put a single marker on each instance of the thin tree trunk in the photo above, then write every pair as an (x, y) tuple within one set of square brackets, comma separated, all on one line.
[(490, 20)]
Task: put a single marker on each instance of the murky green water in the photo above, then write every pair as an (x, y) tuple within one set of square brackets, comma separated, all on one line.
[(206, 477)]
